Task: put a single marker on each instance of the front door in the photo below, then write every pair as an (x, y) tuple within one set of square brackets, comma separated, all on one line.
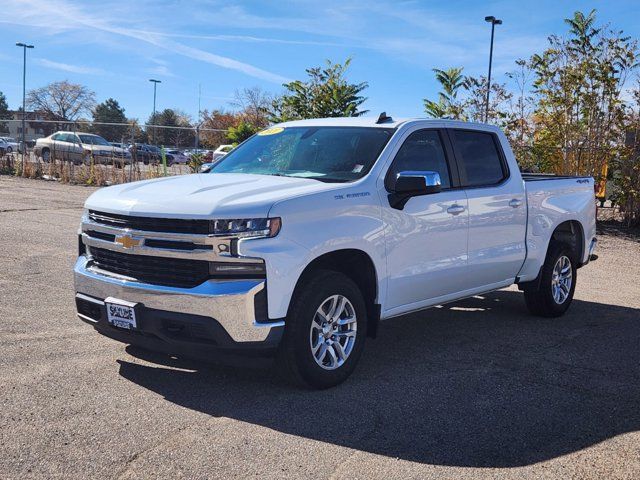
[(426, 241)]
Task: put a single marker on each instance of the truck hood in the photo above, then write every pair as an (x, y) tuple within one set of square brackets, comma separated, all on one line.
[(208, 195)]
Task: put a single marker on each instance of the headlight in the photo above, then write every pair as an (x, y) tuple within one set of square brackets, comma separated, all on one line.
[(246, 227)]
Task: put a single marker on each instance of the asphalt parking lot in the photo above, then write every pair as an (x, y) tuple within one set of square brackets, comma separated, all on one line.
[(476, 389)]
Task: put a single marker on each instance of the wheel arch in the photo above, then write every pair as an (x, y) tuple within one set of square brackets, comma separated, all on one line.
[(359, 267), (569, 232)]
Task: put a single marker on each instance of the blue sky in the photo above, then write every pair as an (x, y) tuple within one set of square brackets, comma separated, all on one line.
[(114, 47)]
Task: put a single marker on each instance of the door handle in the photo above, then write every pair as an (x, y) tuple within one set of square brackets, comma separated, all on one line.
[(455, 209), (515, 203)]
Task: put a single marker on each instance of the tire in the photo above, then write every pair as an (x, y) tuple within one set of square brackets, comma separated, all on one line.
[(9, 149), (303, 330), (552, 296), (46, 155)]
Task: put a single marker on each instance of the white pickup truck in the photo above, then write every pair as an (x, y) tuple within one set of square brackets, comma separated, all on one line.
[(308, 234)]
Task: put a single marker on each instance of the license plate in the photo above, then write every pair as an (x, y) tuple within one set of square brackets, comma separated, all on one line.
[(120, 313)]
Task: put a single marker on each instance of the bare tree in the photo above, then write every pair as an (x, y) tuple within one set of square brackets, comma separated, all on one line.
[(62, 100), (254, 104)]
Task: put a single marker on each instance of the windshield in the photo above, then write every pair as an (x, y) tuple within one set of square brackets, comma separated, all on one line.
[(330, 154), (94, 140)]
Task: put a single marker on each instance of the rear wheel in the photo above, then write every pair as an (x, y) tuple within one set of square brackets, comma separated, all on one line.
[(9, 149), (554, 292), (46, 155), (324, 332)]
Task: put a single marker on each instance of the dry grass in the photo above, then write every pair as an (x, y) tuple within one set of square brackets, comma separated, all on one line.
[(96, 174)]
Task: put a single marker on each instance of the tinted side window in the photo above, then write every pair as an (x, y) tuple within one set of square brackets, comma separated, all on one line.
[(421, 151), (479, 158)]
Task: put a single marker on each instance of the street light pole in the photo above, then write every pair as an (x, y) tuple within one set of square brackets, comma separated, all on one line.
[(24, 95), (155, 84), (494, 21)]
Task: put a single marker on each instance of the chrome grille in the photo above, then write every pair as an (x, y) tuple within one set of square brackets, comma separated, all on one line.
[(173, 272), (151, 224)]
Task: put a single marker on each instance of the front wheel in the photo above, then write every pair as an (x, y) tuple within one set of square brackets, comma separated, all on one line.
[(554, 292), (324, 332)]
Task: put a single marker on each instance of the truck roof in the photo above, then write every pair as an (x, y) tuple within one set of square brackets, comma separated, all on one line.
[(371, 122)]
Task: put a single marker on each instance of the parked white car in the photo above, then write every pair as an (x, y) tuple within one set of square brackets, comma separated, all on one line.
[(12, 144), (305, 236), (220, 152)]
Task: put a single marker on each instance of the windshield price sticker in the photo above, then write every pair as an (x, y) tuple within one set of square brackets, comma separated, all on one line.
[(271, 131)]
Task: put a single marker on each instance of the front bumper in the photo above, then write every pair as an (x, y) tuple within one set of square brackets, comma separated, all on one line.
[(215, 315)]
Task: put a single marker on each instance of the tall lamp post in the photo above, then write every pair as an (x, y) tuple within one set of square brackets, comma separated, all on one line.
[(24, 95), (493, 21), (155, 84)]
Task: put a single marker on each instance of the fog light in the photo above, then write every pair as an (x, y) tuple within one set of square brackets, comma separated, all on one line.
[(237, 269)]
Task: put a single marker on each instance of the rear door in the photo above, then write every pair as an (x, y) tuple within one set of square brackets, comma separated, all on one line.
[(426, 240), (57, 146), (75, 148), (64, 145), (497, 208)]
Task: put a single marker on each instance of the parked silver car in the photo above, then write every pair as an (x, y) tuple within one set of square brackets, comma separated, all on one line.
[(11, 144), (80, 148), (178, 157)]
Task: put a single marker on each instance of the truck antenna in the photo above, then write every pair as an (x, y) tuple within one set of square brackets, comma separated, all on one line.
[(383, 118)]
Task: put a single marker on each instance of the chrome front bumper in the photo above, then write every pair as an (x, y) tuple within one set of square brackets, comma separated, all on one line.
[(230, 302)]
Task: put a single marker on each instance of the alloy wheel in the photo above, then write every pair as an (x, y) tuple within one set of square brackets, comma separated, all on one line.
[(561, 280), (333, 332)]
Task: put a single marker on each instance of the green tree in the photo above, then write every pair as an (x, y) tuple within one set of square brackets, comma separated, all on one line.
[(241, 132), (110, 111), (448, 105), (326, 93), (4, 112), (625, 167), (578, 82), (182, 134)]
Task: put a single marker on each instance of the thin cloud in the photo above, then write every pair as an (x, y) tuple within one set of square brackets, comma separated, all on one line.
[(66, 67), (68, 16), (249, 39), (162, 70)]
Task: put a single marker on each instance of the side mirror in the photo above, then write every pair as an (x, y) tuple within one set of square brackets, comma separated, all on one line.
[(418, 183), (412, 184)]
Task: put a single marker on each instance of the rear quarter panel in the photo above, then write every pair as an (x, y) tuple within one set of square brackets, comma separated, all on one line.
[(550, 203)]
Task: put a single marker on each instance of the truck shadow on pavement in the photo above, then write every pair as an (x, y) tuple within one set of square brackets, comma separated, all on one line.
[(478, 383)]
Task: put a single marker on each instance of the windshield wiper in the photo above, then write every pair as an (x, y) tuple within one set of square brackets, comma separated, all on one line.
[(329, 179)]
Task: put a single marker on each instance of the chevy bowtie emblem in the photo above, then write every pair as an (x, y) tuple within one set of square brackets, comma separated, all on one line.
[(127, 241)]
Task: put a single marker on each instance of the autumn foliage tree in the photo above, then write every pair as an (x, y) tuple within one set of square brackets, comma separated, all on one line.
[(578, 82)]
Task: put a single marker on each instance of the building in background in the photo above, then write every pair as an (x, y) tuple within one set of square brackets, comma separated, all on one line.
[(35, 126)]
